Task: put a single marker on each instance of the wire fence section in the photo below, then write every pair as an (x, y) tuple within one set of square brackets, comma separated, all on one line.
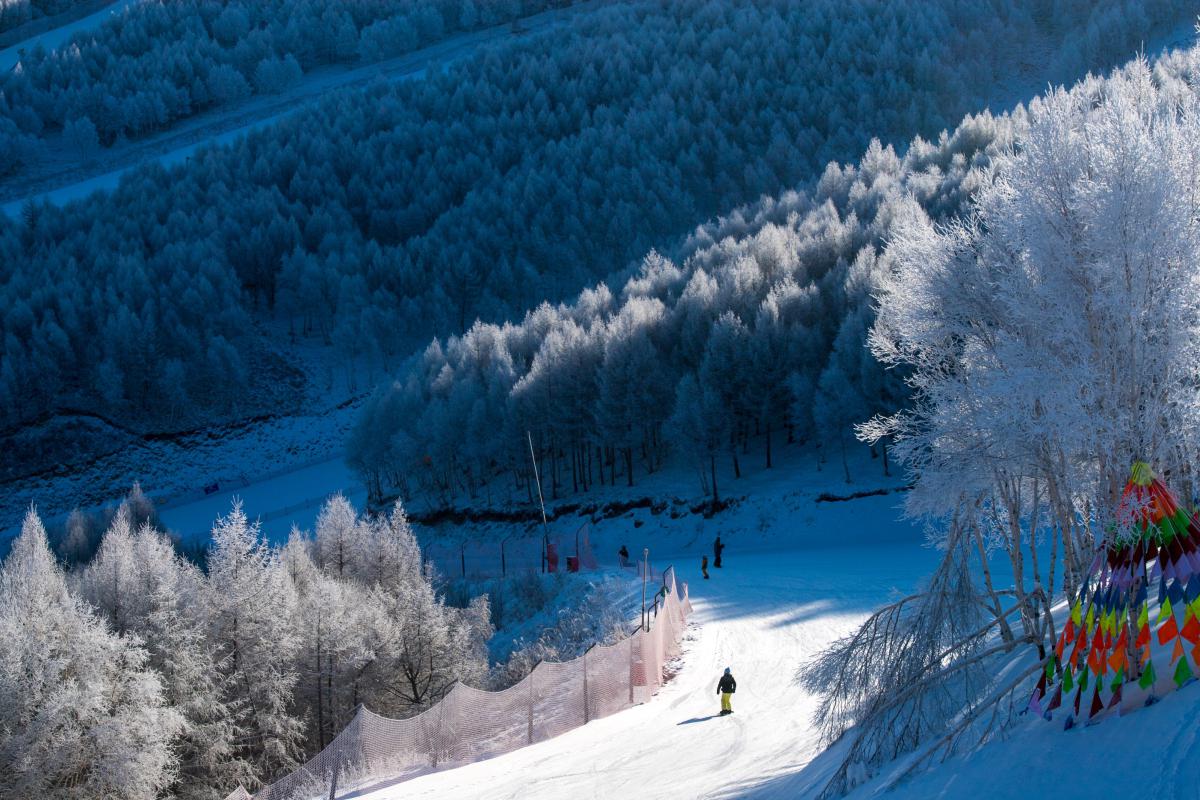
[(510, 556), (470, 725)]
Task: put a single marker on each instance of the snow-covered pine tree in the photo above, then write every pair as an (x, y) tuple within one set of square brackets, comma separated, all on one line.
[(82, 715), (138, 584), (337, 530), (334, 642), (391, 549), (426, 645), (250, 608), (77, 542)]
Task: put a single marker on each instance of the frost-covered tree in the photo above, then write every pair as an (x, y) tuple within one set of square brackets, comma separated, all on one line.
[(334, 632), (250, 609), (338, 536), (427, 646), (701, 425), (634, 386), (1051, 335), (391, 550), (77, 545), (138, 584), (81, 135), (82, 714)]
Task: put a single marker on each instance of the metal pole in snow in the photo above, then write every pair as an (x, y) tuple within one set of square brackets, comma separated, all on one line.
[(542, 502)]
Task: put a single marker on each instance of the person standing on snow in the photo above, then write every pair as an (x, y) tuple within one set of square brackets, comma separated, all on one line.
[(717, 548), (726, 687), (704, 566), (624, 554)]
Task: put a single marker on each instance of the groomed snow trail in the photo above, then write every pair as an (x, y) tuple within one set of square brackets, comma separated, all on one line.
[(763, 614)]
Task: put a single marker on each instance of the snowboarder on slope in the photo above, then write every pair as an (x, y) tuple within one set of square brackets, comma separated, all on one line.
[(624, 554), (704, 566), (726, 687), (717, 548)]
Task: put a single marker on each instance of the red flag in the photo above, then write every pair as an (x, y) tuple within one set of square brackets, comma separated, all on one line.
[(1168, 631), (1143, 637), (1191, 630)]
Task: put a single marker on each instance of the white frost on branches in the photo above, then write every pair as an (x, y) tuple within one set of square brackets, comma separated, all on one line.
[(81, 713), (1051, 338), (1055, 332)]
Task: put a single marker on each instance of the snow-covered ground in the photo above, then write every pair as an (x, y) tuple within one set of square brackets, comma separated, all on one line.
[(289, 462), (278, 502), (1153, 753), (769, 608), (60, 176), (799, 573)]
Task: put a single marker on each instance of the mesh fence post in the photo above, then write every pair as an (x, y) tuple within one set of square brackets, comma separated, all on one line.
[(337, 767), (532, 673), (586, 716), (435, 741), (629, 642)]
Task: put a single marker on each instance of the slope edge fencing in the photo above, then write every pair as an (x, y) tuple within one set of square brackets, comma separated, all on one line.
[(472, 724), (512, 555)]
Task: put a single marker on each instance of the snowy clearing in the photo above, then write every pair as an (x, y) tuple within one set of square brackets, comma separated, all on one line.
[(1152, 753), (279, 502)]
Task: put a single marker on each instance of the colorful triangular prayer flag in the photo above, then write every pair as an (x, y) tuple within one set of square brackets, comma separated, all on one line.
[(1183, 673), (1148, 677)]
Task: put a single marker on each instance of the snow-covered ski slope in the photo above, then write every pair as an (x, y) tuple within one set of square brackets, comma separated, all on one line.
[(761, 614), (798, 573)]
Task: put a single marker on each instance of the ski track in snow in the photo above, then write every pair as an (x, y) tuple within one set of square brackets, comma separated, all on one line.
[(225, 124), (763, 614), (787, 590)]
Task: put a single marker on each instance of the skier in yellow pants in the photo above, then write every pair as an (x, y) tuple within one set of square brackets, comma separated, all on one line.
[(726, 687)]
